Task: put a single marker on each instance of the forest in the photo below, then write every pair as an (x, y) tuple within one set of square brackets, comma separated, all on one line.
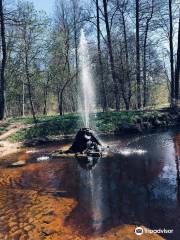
[(134, 49)]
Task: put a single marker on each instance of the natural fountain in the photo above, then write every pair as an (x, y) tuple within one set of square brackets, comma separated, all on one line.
[(85, 140), (87, 102)]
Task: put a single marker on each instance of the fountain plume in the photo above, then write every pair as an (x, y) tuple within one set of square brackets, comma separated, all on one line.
[(87, 92)]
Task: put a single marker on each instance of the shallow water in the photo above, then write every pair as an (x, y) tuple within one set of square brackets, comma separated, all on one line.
[(137, 183)]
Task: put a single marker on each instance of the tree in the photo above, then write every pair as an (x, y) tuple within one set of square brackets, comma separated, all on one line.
[(3, 62), (127, 56), (177, 70), (147, 25), (30, 47), (138, 77), (171, 53), (104, 97), (111, 58), (125, 82), (63, 71)]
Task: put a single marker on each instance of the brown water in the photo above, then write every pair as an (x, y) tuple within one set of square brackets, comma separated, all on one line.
[(137, 183)]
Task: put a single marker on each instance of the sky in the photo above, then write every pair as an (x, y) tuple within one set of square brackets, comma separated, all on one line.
[(46, 5)]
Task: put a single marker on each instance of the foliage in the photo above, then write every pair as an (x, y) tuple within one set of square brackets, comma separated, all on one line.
[(42, 55), (106, 122), (42, 70), (46, 126)]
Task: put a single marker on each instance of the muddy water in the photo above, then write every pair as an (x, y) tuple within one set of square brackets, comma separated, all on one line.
[(137, 183)]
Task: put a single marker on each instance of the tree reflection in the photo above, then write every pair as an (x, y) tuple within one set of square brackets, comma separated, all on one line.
[(176, 140)]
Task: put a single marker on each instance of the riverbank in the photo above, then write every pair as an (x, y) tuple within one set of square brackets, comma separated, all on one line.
[(54, 128), (108, 122)]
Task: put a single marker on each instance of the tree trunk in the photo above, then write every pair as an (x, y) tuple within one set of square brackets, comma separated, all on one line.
[(3, 63), (75, 42), (145, 88), (46, 94), (29, 90), (45, 101), (61, 103), (145, 92), (128, 95), (177, 71), (171, 53), (75, 29), (138, 77), (104, 97), (111, 58)]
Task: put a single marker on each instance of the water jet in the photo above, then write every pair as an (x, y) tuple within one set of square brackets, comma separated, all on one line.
[(85, 141)]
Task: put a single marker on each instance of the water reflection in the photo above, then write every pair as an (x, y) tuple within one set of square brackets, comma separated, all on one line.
[(176, 140), (132, 188), (87, 162)]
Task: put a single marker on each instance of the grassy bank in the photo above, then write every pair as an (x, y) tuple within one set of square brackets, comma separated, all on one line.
[(69, 123), (4, 127)]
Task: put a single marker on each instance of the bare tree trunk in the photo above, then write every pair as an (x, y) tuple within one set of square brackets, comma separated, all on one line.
[(123, 83), (171, 53), (177, 71), (138, 77), (29, 90), (46, 94), (61, 103), (111, 58), (73, 107), (74, 2), (104, 97), (145, 88), (75, 40), (3, 63), (23, 100), (61, 90), (145, 72), (128, 97)]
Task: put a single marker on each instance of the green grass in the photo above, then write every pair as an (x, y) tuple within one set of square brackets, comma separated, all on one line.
[(42, 119), (70, 123), (2, 130), (3, 127), (47, 126)]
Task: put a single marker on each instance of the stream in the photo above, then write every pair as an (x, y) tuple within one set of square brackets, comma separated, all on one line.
[(136, 183)]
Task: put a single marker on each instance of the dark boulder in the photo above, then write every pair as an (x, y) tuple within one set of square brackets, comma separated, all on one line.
[(85, 140), (146, 125)]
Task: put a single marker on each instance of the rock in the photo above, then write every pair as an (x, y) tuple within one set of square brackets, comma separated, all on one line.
[(37, 142), (48, 231), (85, 140), (145, 119), (164, 123), (20, 163), (162, 118), (146, 125), (173, 117), (128, 128), (157, 123), (43, 158)]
